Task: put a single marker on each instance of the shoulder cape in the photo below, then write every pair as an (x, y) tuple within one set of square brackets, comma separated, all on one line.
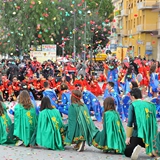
[(80, 125), (113, 135), (48, 129), (5, 122), (25, 122), (145, 113)]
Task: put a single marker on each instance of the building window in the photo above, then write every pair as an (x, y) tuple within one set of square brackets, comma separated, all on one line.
[(134, 23), (135, 3), (137, 20)]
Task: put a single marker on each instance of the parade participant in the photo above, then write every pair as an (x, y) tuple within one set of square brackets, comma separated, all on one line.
[(153, 83), (112, 137), (92, 103), (71, 85), (102, 77), (51, 82), (15, 86), (113, 75), (25, 119), (49, 126), (50, 93), (71, 69), (80, 126), (127, 100), (4, 87), (158, 69), (95, 88), (5, 123), (65, 100), (142, 115), (143, 70), (109, 92), (130, 76)]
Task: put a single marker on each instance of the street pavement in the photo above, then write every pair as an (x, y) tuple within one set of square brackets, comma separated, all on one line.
[(90, 153)]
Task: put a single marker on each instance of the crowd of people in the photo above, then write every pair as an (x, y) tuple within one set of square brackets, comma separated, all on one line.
[(61, 87)]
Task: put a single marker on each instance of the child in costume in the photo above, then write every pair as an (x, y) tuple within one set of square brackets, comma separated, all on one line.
[(25, 119), (110, 92), (112, 137), (65, 99), (130, 76), (126, 99), (113, 75), (92, 103), (153, 84), (49, 126), (80, 125), (50, 93)]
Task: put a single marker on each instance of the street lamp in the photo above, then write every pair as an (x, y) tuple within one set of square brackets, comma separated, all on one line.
[(74, 33), (74, 36), (85, 28)]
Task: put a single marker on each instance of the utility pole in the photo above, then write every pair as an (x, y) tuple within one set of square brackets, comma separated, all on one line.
[(74, 38), (85, 30)]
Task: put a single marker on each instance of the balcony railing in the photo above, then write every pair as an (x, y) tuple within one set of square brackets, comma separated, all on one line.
[(124, 12), (156, 7), (146, 5), (147, 27), (124, 32)]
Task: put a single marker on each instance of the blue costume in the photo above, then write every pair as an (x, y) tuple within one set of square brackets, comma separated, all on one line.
[(153, 83), (128, 79), (126, 103), (117, 101), (51, 94), (93, 104), (156, 101), (66, 102), (34, 103), (113, 77)]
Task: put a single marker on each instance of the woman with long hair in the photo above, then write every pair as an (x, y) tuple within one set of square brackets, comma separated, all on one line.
[(80, 126), (25, 119), (49, 127), (112, 137)]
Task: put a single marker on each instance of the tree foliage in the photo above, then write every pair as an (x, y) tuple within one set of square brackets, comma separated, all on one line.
[(34, 22)]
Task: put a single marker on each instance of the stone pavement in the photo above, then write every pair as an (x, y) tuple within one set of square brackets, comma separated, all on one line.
[(91, 153)]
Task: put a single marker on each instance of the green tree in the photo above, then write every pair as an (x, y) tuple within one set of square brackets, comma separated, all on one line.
[(29, 22)]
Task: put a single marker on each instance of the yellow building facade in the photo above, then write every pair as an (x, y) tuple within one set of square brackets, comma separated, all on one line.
[(138, 22)]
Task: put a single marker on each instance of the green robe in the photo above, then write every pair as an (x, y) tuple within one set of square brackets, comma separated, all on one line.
[(80, 125), (25, 122), (145, 113), (156, 144), (5, 122), (49, 129), (112, 137)]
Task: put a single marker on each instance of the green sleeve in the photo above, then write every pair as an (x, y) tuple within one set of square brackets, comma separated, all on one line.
[(131, 116)]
